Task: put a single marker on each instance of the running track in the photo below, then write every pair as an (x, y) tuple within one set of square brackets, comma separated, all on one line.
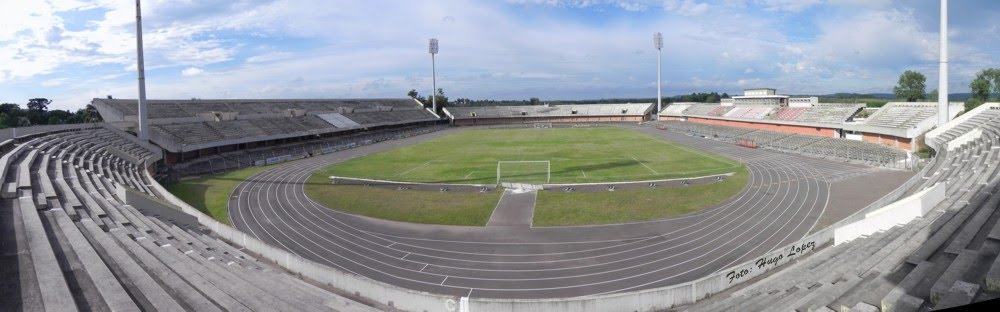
[(785, 197)]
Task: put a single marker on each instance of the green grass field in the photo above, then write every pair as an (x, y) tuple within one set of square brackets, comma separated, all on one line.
[(576, 155), (450, 208), (560, 209), (210, 194)]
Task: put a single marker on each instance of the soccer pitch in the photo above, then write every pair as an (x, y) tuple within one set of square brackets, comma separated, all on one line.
[(576, 155)]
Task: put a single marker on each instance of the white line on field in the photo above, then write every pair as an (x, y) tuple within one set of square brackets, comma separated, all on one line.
[(468, 175), (584, 174), (644, 165), (411, 169)]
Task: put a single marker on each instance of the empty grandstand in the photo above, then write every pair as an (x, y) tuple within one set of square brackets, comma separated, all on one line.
[(896, 125), (89, 234), (946, 259), (464, 116), (187, 129)]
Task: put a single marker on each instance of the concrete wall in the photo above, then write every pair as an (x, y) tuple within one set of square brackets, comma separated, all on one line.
[(891, 141), (897, 213), (970, 136)]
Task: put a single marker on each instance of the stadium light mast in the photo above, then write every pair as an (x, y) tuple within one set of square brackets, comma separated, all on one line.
[(143, 119), (943, 68), (433, 49), (658, 43)]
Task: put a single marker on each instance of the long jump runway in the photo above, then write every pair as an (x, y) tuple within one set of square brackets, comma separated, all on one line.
[(785, 197)]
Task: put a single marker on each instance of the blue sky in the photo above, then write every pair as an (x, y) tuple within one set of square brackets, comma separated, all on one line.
[(73, 50)]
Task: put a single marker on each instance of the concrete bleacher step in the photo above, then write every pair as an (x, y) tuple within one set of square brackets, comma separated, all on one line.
[(55, 294), (940, 236), (826, 294), (961, 293), (911, 280), (143, 288), (105, 283), (953, 273), (248, 289), (180, 281), (970, 228)]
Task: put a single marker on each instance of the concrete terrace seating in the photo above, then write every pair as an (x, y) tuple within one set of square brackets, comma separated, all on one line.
[(789, 113), (902, 115), (719, 111), (947, 259), (990, 116), (830, 113), (84, 249), (245, 158), (675, 109), (823, 147)]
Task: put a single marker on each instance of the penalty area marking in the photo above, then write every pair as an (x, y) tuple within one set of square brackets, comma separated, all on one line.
[(468, 175)]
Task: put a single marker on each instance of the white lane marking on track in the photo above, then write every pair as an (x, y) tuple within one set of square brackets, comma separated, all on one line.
[(445, 280), (425, 266), (297, 198)]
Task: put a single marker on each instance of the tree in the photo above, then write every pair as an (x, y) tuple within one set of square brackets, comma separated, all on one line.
[(910, 86), (980, 88), (934, 95), (37, 108), (535, 101), (39, 104), (4, 121), (442, 101), (413, 94)]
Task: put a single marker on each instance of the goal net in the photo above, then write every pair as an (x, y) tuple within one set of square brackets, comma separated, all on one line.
[(524, 171), (539, 125)]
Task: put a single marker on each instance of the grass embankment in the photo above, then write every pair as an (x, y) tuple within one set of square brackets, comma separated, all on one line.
[(450, 208), (559, 209), (210, 194)]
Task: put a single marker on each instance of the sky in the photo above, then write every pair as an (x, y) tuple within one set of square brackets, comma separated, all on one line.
[(71, 51)]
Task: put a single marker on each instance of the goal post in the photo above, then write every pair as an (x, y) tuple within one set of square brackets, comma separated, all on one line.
[(524, 171)]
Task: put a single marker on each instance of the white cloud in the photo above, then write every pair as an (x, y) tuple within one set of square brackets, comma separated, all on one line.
[(192, 71), (788, 5), (685, 7)]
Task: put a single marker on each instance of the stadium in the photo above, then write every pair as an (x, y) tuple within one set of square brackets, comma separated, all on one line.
[(757, 202)]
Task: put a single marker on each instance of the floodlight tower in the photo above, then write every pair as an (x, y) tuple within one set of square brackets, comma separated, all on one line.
[(433, 49), (943, 68), (143, 119), (658, 44)]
